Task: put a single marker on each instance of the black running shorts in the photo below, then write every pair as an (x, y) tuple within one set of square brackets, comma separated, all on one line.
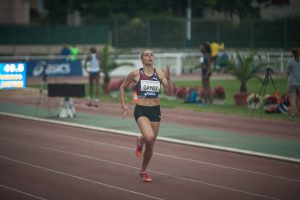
[(151, 112)]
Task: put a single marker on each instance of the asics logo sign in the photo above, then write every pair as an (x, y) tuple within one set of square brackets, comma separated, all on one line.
[(51, 69), (150, 94)]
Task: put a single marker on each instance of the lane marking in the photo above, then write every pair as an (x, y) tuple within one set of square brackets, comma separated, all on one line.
[(231, 168), (78, 177), (172, 156), (22, 192), (176, 141), (152, 171), (181, 158)]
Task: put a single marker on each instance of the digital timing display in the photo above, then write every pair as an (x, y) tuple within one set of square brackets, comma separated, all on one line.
[(12, 75)]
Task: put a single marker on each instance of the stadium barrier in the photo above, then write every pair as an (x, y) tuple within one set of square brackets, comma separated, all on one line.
[(181, 63)]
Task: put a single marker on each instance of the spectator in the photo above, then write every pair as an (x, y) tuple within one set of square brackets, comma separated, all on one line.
[(205, 66), (65, 53), (207, 47), (74, 51), (293, 72), (95, 61), (222, 60), (215, 48)]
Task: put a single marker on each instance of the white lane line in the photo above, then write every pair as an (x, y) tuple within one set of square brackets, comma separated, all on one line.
[(231, 168), (180, 158), (22, 192), (184, 159), (78, 177), (176, 157), (153, 171), (176, 141)]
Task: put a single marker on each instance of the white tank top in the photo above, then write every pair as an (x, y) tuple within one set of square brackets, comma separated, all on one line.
[(94, 63)]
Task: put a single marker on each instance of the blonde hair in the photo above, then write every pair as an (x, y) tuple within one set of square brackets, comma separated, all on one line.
[(142, 54)]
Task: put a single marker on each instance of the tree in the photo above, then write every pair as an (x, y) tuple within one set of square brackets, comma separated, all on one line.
[(109, 64), (241, 8), (244, 69), (58, 10)]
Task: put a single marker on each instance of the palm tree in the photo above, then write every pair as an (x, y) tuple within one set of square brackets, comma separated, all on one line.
[(109, 64), (244, 69)]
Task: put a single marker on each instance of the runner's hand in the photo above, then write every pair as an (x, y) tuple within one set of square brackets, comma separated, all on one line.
[(125, 110), (167, 72)]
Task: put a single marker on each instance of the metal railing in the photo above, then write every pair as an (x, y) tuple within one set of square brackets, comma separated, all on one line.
[(182, 63)]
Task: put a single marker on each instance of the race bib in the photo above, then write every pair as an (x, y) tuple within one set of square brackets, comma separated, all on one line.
[(150, 86)]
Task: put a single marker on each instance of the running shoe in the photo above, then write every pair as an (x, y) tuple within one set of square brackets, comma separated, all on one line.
[(139, 147), (145, 176)]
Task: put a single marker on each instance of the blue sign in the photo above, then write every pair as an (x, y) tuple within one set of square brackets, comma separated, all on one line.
[(39, 68), (12, 75)]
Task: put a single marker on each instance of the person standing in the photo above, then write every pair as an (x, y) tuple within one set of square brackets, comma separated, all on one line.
[(205, 65), (147, 113), (65, 53), (94, 59), (74, 51), (293, 71), (215, 49)]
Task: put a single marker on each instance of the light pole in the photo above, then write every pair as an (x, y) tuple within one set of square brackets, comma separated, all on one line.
[(188, 24)]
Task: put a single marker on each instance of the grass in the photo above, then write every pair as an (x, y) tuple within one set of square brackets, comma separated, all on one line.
[(229, 107), (231, 87)]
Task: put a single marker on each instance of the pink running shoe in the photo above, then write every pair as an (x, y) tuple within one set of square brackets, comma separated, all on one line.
[(139, 147), (145, 176)]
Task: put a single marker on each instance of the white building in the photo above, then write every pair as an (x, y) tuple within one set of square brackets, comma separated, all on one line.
[(276, 9), (273, 9), (14, 12)]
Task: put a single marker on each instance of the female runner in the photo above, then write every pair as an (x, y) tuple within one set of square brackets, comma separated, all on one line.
[(148, 81)]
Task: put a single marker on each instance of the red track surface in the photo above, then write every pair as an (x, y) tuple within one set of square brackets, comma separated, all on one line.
[(47, 161)]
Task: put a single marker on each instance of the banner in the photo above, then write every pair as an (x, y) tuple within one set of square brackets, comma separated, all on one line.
[(40, 68)]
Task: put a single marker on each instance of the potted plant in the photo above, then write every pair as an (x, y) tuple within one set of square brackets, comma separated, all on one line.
[(109, 64), (244, 69)]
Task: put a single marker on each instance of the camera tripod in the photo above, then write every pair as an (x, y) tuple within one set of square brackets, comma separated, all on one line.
[(264, 86), (41, 91)]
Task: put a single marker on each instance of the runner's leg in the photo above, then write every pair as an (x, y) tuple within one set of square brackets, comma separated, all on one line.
[(149, 132)]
